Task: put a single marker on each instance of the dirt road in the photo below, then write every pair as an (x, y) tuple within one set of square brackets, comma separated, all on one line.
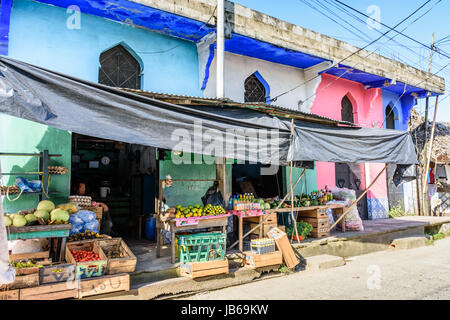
[(422, 273)]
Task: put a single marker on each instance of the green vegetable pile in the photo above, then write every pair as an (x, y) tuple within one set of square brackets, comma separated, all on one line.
[(304, 229)]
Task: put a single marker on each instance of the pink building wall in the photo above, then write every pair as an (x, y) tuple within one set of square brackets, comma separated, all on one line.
[(367, 112)]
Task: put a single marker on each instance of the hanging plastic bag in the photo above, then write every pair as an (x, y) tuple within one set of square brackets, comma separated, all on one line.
[(213, 196)]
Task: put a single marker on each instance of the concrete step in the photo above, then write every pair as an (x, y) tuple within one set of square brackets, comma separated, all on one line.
[(408, 242), (323, 261)]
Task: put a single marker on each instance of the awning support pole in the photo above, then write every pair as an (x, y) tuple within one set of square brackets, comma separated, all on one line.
[(357, 200), (294, 221), (267, 216), (428, 158)]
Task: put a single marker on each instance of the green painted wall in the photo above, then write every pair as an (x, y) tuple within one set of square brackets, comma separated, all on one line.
[(189, 192), (306, 185), (18, 135)]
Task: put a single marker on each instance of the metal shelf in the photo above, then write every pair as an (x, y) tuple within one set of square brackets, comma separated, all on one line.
[(28, 154)]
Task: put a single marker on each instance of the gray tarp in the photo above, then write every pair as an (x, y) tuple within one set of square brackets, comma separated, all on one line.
[(83, 107)]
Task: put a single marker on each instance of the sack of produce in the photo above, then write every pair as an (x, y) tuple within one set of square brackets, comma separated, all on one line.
[(86, 216), (352, 219), (77, 228), (213, 196), (91, 226), (74, 219)]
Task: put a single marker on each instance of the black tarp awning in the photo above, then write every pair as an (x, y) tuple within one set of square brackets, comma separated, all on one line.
[(68, 103)]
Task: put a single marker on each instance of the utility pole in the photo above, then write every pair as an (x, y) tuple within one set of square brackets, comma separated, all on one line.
[(425, 202), (220, 49)]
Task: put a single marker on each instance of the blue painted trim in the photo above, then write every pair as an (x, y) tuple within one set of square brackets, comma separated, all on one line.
[(265, 84), (5, 15), (135, 14), (208, 65)]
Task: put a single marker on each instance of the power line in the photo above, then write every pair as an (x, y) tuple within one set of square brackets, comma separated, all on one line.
[(393, 28), (352, 54)]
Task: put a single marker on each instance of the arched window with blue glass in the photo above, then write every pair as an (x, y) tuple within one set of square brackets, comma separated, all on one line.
[(119, 68), (256, 89)]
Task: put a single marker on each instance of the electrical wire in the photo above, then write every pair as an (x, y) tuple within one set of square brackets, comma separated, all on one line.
[(399, 32), (353, 53)]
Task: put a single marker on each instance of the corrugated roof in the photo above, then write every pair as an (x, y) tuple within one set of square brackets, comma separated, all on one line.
[(270, 109)]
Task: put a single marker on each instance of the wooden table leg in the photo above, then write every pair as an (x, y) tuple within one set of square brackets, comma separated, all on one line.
[(62, 250), (261, 227), (158, 242), (241, 233), (172, 234)]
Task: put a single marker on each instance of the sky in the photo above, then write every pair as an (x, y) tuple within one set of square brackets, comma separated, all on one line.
[(391, 12)]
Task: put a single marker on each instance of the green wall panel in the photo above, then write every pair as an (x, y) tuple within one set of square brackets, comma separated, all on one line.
[(307, 184), (19, 135)]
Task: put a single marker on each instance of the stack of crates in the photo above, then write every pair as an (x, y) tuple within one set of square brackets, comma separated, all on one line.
[(201, 247)]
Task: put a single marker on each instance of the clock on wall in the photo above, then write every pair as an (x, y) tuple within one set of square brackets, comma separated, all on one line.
[(105, 160)]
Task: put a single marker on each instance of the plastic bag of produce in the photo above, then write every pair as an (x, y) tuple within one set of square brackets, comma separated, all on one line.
[(76, 229), (91, 226), (352, 219), (213, 196), (75, 219), (87, 216), (343, 194)]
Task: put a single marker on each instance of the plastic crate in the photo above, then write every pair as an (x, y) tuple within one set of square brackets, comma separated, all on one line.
[(201, 247)]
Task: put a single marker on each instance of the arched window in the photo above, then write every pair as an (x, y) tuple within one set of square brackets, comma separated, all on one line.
[(118, 68), (254, 90), (390, 117), (346, 110)]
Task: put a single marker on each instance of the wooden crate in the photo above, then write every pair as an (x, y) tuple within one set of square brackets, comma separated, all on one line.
[(203, 269), (41, 258), (105, 284), (55, 291), (315, 222), (314, 213), (271, 220), (9, 295), (253, 260), (57, 273), (118, 265), (316, 234), (87, 269), (23, 281), (265, 227)]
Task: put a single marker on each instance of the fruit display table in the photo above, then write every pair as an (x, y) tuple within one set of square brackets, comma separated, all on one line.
[(59, 231), (171, 225)]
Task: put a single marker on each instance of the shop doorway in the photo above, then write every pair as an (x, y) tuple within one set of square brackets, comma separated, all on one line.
[(120, 175), (247, 178), (395, 193), (349, 176)]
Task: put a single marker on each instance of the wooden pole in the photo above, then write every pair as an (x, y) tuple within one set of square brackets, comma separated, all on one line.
[(428, 158), (267, 217), (425, 160), (294, 221), (357, 200)]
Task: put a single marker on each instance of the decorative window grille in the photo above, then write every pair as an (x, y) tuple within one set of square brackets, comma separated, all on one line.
[(118, 68), (254, 90), (346, 110)]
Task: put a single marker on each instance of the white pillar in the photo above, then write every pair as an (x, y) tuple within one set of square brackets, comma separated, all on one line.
[(220, 49)]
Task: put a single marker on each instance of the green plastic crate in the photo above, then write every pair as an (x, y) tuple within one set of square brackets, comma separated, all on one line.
[(201, 247)]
